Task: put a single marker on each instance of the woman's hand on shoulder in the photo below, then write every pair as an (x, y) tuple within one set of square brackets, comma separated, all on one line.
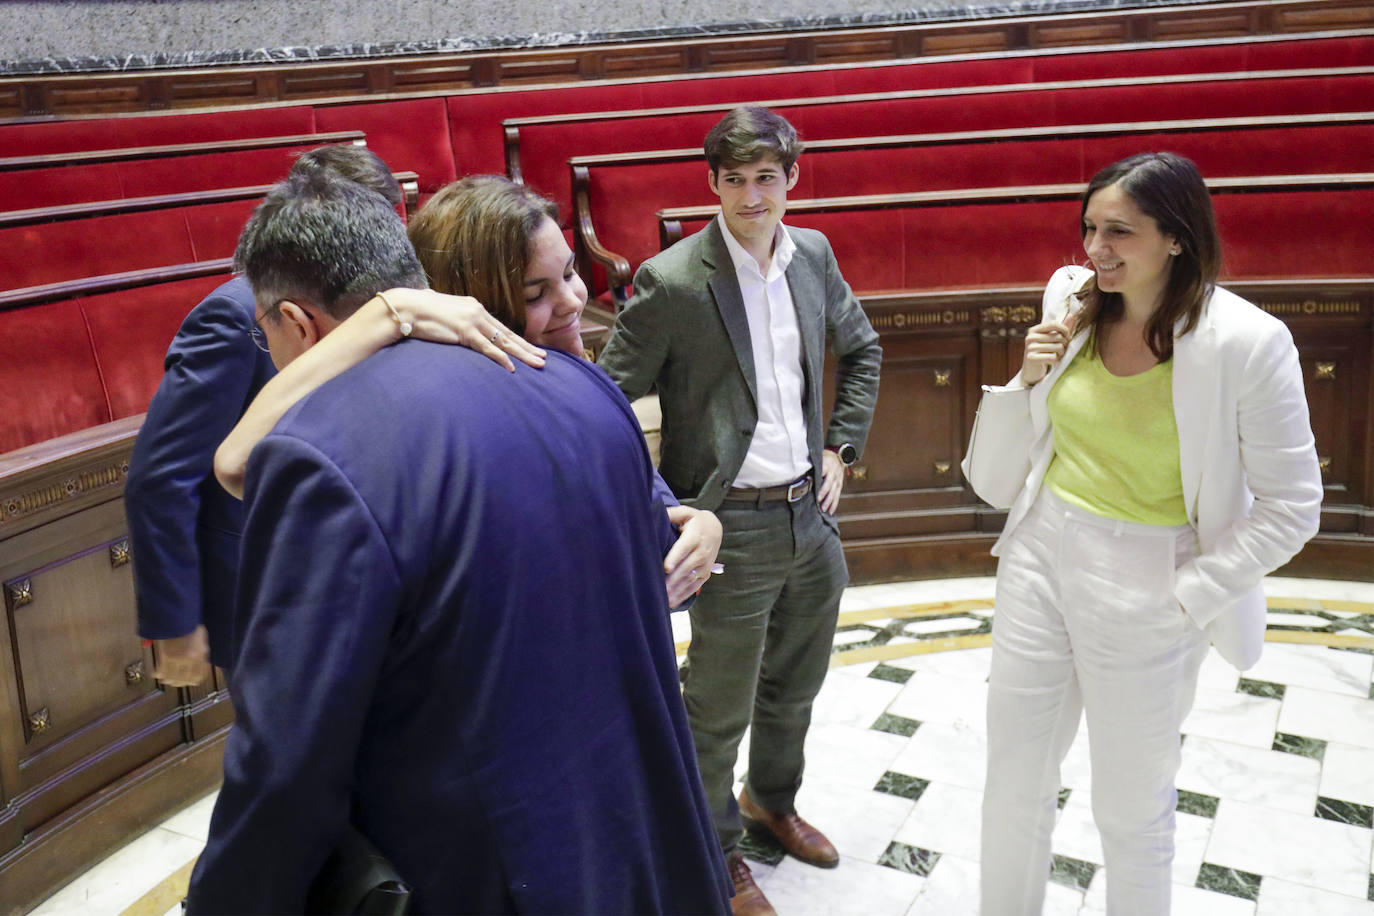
[(1046, 344), (461, 320)]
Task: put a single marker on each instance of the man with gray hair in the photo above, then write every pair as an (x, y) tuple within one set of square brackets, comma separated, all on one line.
[(731, 326), (484, 689)]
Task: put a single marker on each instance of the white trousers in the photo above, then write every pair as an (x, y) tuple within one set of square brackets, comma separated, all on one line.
[(1086, 622)]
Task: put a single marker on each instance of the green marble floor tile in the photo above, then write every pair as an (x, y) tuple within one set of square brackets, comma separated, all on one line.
[(891, 673), (1230, 881), (1333, 809), (1072, 872), (911, 859), (901, 785), (896, 725), (1197, 803), (1297, 744)]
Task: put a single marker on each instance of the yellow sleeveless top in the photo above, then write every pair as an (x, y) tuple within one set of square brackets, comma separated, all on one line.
[(1116, 442)]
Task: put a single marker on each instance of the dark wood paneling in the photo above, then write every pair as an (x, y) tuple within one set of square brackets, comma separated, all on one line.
[(412, 76)]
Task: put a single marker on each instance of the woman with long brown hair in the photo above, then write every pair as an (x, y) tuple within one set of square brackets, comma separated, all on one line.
[(1172, 467)]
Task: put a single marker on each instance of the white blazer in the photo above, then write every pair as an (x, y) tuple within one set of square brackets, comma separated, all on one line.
[(1251, 483)]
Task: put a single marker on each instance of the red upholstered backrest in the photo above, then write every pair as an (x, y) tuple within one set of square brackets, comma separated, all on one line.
[(50, 187), (49, 384), (70, 249), (152, 130), (236, 169), (130, 331), (410, 136), (1296, 234), (215, 228)]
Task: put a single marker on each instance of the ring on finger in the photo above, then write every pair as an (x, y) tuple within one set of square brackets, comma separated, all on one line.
[(497, 336)]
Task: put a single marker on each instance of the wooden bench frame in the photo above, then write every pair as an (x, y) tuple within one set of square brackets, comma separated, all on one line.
[(129, 153), (420, 75), (619, 272)]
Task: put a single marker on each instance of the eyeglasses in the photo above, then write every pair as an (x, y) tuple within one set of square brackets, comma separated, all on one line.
[(257, 333)]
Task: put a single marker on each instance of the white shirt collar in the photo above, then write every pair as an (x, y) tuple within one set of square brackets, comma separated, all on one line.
[(783, 249)]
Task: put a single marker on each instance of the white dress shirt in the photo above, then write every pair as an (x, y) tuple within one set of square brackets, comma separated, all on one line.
[(777, 452)]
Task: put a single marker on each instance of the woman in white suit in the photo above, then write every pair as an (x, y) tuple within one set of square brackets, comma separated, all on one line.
[(1172, 467)]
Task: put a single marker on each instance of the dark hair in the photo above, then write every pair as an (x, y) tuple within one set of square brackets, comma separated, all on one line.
[(473, 238), (749, 133), (1169, 189), (325, 241), (351, 163)]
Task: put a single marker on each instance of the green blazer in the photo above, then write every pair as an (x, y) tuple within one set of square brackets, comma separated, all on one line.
[(685, 331)]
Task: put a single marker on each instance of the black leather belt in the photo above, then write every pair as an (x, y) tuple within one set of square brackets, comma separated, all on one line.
[(785, 492)]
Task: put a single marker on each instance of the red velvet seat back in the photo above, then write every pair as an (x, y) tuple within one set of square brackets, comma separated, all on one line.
[(215, 228), (50, 187), (205, 172), (49, 384), (410, 135), (71, 249), (44, 137), (130, 331)]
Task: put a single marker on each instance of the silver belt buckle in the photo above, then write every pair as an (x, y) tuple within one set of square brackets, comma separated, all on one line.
[(798, 488)]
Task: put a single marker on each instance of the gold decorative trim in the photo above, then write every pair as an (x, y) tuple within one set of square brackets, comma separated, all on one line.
[(133, 673), (1324, 462), (941, 378), (1326, 371), (36, 500), (120, 554), (859, 472), (20, 592), (40, 721), (941, 468), (1021, 314), (1313, 307), (903, 320)]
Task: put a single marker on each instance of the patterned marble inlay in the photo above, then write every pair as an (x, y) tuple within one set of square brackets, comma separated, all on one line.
[(891, 673), (901, 785), (1260, 689), (1231, 881), (761, 846), (896, 725), (1333, 809), (1072, 872), (910, 859), (1197, 803), (1063, 798), (1296, 744)]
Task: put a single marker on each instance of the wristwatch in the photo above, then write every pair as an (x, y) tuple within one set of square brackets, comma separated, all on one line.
[(847, 453)]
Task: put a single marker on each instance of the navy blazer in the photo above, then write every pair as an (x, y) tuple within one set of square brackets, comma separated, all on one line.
[(453, 633), (184, 527)]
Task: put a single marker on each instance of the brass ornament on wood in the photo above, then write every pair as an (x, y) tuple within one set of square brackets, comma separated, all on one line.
[(40, 721), (859, 472), (1326, 371), (942, 468), (20, 592), (120, 553), (941, 378), (133, 673), (1324, 463)]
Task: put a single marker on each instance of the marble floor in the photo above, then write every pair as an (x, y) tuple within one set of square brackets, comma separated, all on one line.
[(1276, 793)]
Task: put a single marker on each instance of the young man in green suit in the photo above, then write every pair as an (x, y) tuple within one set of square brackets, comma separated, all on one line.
[(731, 326)]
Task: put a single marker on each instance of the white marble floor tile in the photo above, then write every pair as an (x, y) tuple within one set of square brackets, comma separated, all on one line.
[(941, 625), (930, 697), (1300, 848), (1188, 900), (1269, 778), (1230, 716), (1076, 770), (1326, 589), (1075, 835), (1062, 901), (1348, 773), (951, 889), (1293, 619), (123, 877), (762, 874), (955, 754), (845, 638), (1284, 898), (853, 701), (854, 887), (1329, 716), (857, 669), (966, 664), (193, 820), (946, 819), (1316, 667), (860, 822), (1191, 835), (850, 755), (1217, 673)]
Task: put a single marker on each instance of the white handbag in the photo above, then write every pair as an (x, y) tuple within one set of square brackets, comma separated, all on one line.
[(998, 459)]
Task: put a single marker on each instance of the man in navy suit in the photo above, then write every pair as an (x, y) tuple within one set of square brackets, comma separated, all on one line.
[(452, 630), (183, 526)]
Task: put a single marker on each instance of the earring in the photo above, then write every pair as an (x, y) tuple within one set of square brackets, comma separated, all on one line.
[(1174, 251)]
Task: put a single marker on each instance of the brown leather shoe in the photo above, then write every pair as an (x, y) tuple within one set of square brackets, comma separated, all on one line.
[(748, 899), (795, 835)]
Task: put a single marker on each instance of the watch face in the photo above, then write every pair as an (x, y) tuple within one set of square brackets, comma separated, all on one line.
[(848, 454)]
